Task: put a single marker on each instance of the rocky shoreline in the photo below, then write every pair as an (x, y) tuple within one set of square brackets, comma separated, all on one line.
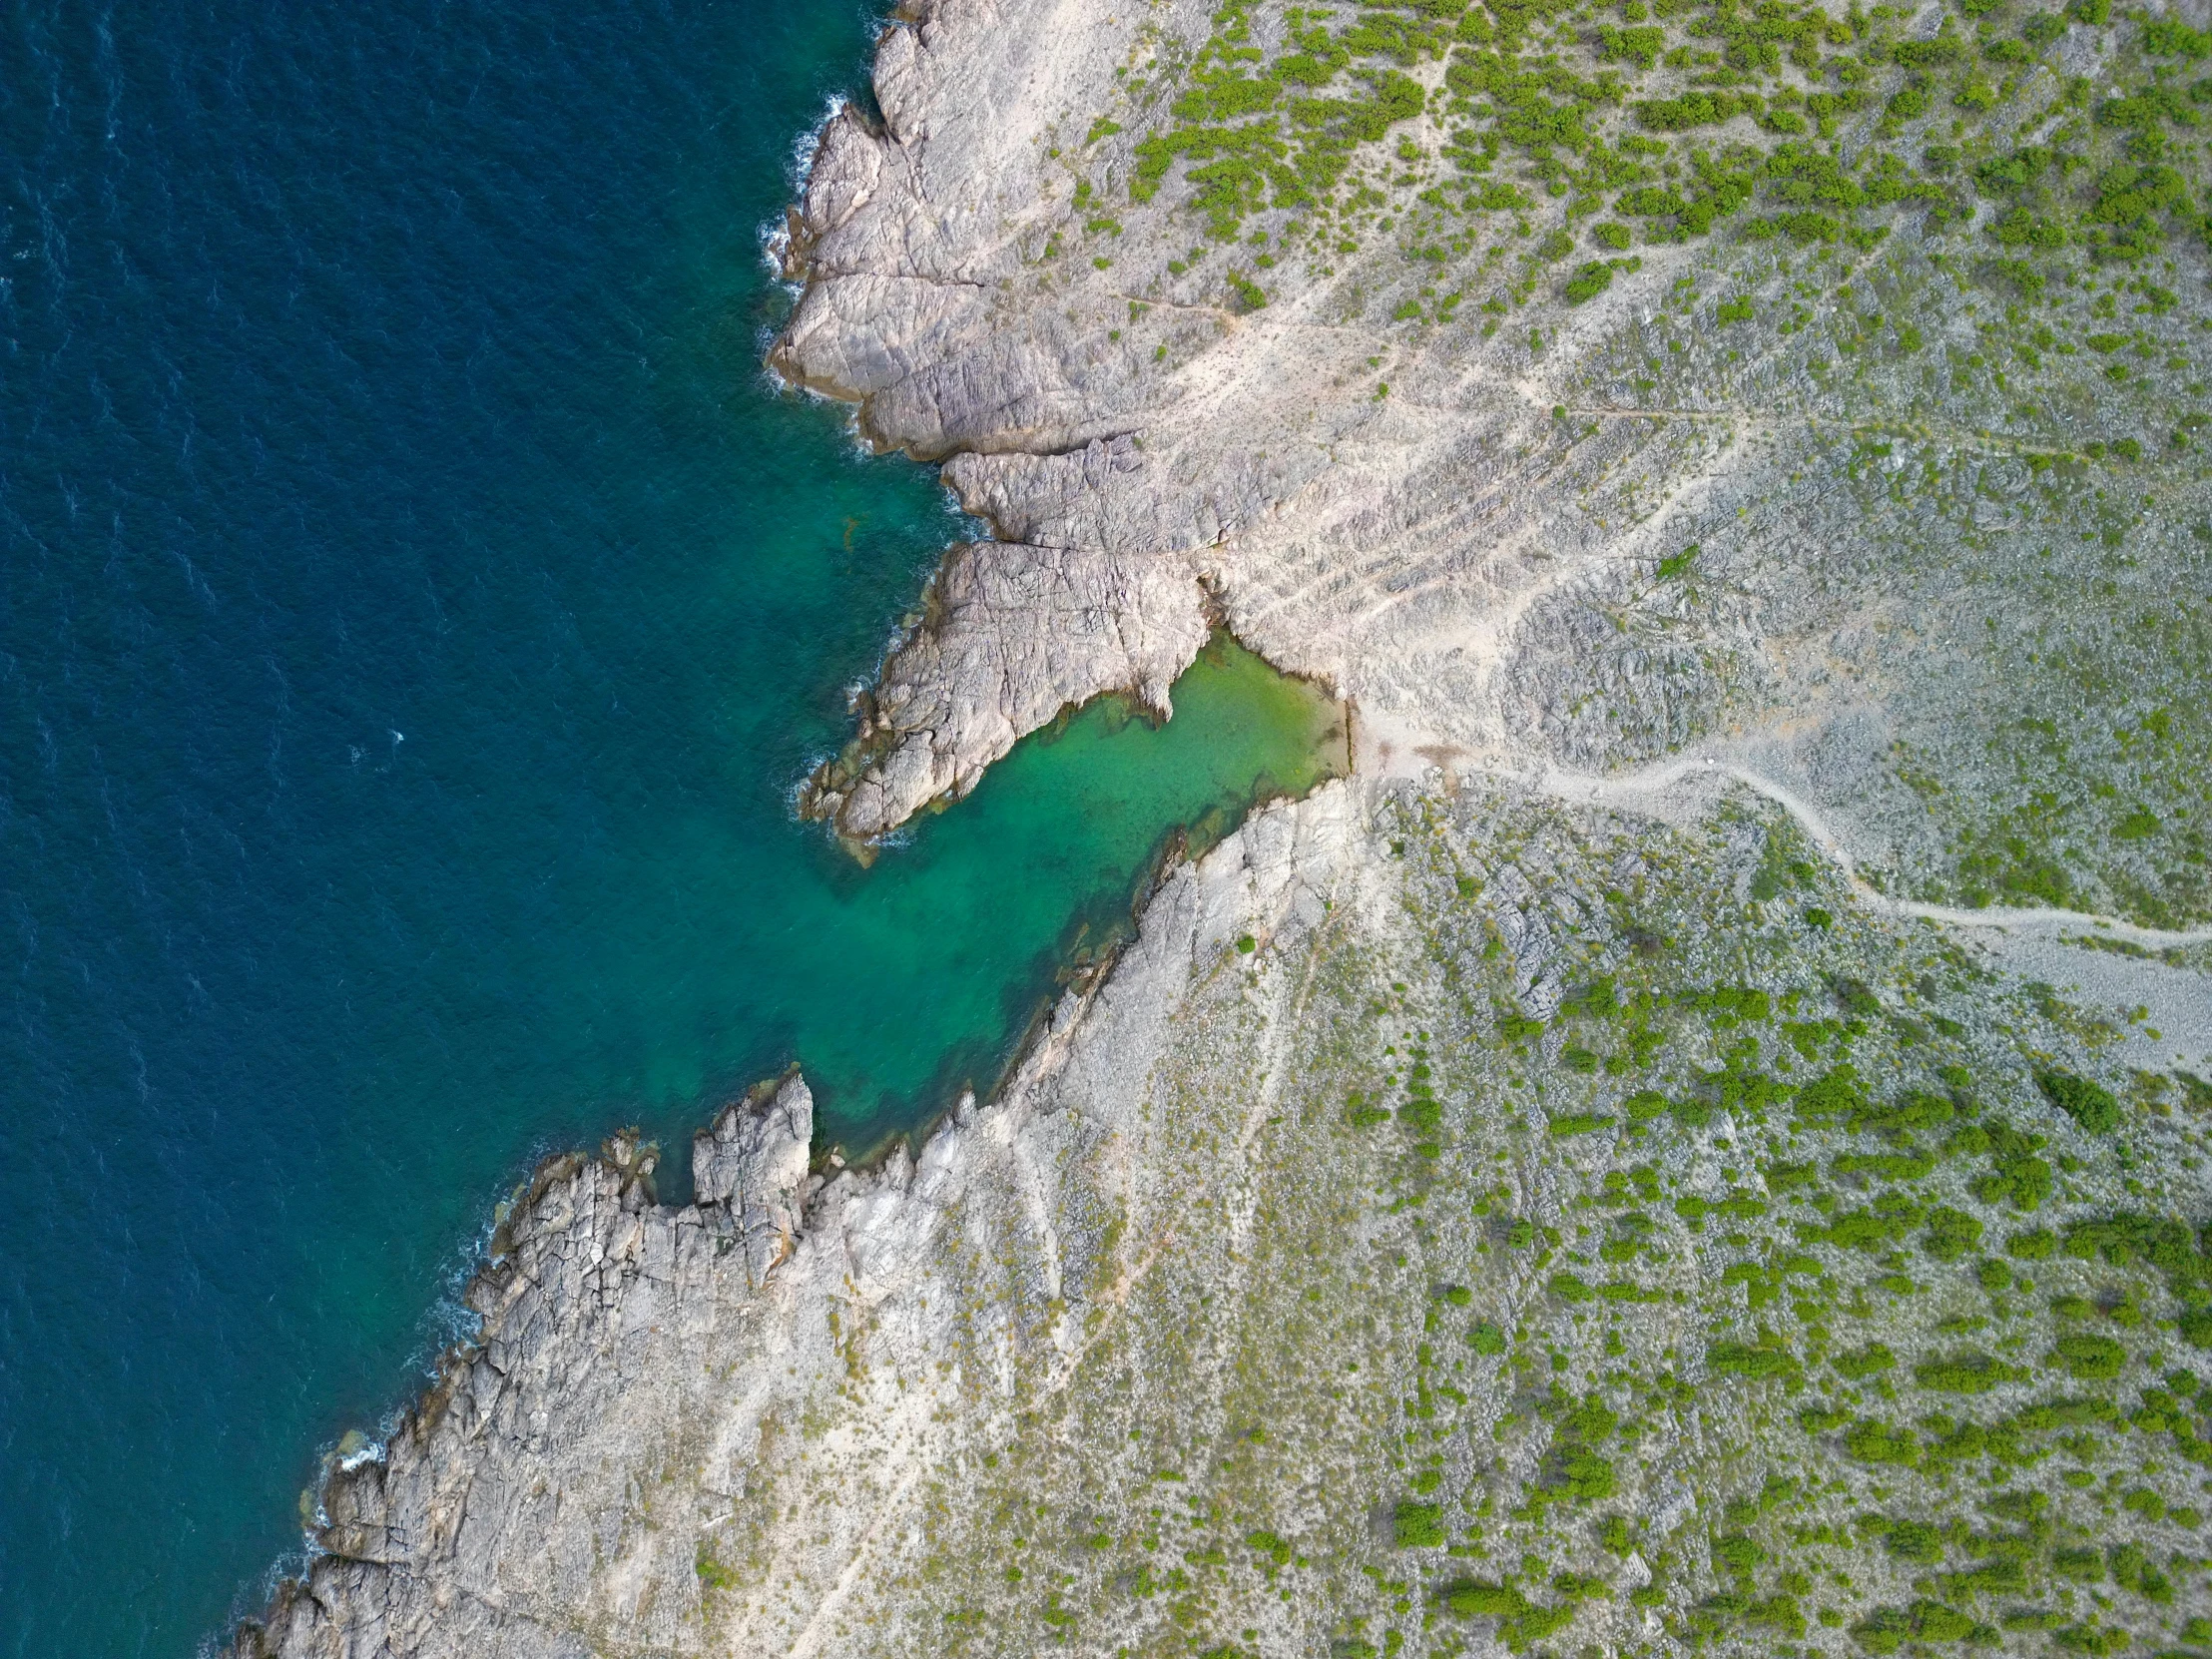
[(1473, 533), (513, 1509), (1039, 1382), (1401, 1248)]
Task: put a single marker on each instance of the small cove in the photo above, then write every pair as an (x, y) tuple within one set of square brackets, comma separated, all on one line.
[(1058, 841)]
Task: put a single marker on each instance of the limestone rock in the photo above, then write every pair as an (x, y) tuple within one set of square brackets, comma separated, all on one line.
[(753, 1163), (1013, 635)]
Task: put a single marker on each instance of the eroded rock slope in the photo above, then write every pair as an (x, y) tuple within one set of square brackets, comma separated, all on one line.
[(1459, 1221)]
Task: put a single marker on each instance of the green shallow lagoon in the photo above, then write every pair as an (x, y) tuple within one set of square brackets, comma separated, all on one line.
[(1058, 838)]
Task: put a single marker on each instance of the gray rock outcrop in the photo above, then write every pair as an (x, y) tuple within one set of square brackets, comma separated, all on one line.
[(752, 1166), (1014, 635), (1728, 505), (1296, 1251)]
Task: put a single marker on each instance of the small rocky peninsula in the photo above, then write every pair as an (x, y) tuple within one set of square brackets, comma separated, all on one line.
[(1700, 1143)]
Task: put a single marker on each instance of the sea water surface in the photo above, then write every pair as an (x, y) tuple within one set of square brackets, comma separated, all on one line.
[(415, 611)]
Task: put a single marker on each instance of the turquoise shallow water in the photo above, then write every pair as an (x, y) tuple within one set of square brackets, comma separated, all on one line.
[(415, 609)]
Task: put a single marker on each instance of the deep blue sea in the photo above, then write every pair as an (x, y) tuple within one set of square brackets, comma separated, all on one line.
[(415, 611)]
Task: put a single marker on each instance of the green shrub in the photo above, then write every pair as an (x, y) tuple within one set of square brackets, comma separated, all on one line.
[(1690, 1114), (2037, 1246), (1950, 1234), (1590, 1422), (2091, 1640), (1273, 1547), (1422, 1114), (1639, 46), (1835, 1096), (1609, 235), (1361, 1111), (2087, 1565), (2019, 1178), (1418, 1525), (1907, 1541), (1883, 1223), (1913, 1110), (1588, 281), (1586, 1477), (1570, 1288), (2168, 37), (1882, 1631), (714, 1574), (2131, 1570), (1486, 1337), (2141, 1501), (1970, 1373), (1762, 1362), (1537, 1624), (1474, 1599), (2123, 1239), (2088, 1105), (2089, 1359), (1930, 54), (1969, 1139), (1739, 1554), (1579, 1123), (1933, 1622), (1878, 1442), (1650, 201), (1889, 1628), (1863, 1363), (1887, 1166), (1992, 1276), (2067, 1414), (1692, 109)]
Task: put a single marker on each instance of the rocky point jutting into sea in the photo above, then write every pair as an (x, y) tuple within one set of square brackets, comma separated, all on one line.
[(1700, 1141)]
